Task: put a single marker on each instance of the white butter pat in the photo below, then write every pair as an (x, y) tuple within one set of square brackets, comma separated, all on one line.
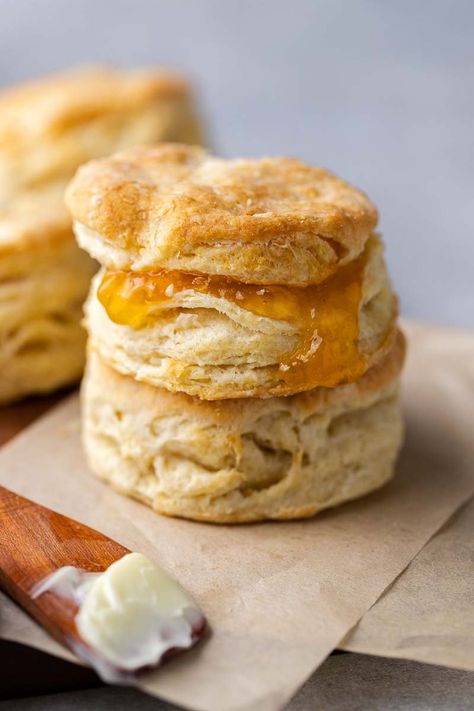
[(130, 615)]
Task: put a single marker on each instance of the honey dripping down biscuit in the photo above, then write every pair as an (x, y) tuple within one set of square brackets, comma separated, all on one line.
[(326, 315)]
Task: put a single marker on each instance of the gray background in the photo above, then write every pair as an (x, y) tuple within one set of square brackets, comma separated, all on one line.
[(379, 91)]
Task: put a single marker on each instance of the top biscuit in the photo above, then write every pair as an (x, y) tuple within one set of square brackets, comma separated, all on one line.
[(50, 126), (273, 220)]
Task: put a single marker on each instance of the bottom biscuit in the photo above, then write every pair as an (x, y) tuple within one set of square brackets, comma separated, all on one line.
[(234, 461)]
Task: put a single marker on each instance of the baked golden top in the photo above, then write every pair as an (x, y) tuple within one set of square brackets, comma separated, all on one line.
[(50, 126), (267, 221), (34, 220), (55, 102)]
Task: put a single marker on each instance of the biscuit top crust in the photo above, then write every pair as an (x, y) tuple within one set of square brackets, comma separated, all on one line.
[(59, 101), (268, 221), (34, 221)]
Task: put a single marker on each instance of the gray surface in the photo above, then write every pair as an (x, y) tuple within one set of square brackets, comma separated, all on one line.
[(379, 91), (345, 682)]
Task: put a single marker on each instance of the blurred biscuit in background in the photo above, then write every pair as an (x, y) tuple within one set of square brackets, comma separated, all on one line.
[(47, 129), (50, 126)]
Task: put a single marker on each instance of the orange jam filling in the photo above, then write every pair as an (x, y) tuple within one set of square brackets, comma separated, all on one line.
[(326, 315)]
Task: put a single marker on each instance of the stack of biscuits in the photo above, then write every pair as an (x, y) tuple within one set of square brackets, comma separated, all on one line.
[(47, 129), (244, 357)]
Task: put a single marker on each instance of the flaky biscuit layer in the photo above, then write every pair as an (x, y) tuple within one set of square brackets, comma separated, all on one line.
[(212, 348), (41, 340), (267, 221), (243, 460)]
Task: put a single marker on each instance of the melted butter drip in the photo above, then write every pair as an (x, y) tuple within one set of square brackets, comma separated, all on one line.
[(326, 315)]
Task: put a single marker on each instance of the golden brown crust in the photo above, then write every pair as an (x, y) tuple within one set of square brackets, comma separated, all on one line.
[(274, 220), (76, 96)]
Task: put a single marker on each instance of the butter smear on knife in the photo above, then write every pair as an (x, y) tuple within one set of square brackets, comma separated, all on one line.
[(130, 616)]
